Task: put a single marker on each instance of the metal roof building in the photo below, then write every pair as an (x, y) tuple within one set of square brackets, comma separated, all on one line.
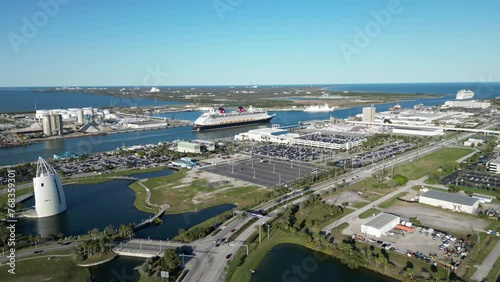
[(450, 201), (380, 224)]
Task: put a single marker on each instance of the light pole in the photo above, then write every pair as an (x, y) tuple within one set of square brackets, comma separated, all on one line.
[(254, 173), (232, 169)]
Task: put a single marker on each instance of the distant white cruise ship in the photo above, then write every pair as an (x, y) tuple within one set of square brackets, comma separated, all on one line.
[(215, 119), (464, 94), (324, 108)]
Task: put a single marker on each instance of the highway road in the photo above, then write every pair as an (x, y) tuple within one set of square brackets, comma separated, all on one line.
[(210, 265), (44, 249)]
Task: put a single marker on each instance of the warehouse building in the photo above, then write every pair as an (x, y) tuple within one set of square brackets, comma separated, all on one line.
[(450, 201), (380, 224), (187, 147)]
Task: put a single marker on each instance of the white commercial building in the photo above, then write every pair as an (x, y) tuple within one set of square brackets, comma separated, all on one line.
[(494, 166), (332, 142), (266, 134), (450, 201), (187, 147), (380, 224), (368, 114), (470, 104), (473, 141)]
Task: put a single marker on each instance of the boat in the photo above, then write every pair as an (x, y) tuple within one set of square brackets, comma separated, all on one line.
[(395, 107), (419, 106), (154, 90), (324, 108), (464, 94), (216, 119)]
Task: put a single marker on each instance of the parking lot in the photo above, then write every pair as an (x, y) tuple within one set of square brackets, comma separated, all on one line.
[(376, 155), (480, 180), (426, 244), (331, 138), (264, 171), (286, 152)]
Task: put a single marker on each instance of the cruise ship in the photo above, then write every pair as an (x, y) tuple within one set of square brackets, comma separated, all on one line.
[(464, 94), (324, 108), (215, 119)]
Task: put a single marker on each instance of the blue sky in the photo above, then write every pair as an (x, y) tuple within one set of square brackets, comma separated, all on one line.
[(122, 42)]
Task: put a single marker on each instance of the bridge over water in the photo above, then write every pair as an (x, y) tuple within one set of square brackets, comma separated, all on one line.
[(145, 248)]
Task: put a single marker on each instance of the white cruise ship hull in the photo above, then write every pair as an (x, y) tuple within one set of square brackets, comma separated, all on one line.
[(204, 127)]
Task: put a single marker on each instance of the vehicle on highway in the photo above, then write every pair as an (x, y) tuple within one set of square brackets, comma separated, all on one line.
[(228, 256), (37, 251), (232, 230)]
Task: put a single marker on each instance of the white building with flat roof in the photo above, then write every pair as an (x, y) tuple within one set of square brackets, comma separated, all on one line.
[(494, 166), (449, 201), (368, 114), (267, 134), (379, 225), (469, 104), (473, 141), (188, 147)]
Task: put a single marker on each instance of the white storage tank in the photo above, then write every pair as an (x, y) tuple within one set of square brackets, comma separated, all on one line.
[(88, 111), (80, 116), (40, 113)]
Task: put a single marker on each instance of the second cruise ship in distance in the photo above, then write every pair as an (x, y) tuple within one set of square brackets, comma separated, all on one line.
[(324, 108), (464, 94), (215, 119)]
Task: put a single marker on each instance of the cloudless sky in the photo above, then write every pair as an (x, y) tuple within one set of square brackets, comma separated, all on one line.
[(121, 42)]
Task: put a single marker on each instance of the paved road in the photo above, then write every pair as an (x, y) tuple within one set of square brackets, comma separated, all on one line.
[(210, 266), (355, 214), (45, 249), (211, 260), (487, 264)]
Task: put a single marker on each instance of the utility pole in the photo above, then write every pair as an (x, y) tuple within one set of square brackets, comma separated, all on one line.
[(254, 173)]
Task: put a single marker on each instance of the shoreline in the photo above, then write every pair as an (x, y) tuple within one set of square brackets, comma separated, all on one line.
[(99, 262)]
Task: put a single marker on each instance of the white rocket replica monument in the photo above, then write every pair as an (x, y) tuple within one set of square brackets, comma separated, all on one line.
[(49, 193)]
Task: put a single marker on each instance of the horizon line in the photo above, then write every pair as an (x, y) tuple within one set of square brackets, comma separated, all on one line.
[(247, 85)]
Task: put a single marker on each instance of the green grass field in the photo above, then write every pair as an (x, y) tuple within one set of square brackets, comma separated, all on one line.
[(368, 213), (170, 190), (41, 269), (359, 204), (421, 167), (387, 204)]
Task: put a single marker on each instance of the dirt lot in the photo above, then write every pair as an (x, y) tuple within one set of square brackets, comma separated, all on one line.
[(438, 218), (348, 196)]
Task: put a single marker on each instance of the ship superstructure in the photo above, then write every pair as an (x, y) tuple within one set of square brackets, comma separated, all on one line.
[(219, 118), (324, 108), (464, 94)]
